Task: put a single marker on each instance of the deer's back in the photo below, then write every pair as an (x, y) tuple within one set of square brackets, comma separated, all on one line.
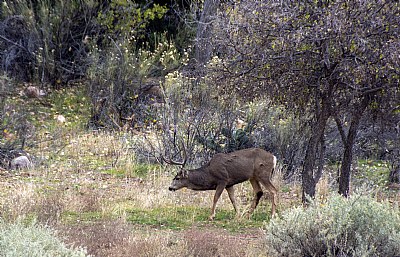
[(240, 165)]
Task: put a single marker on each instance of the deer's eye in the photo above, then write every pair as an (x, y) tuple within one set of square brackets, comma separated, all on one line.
[(177, 178)]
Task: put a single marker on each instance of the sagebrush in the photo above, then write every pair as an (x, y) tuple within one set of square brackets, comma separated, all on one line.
[(355, 226), (19, 239)]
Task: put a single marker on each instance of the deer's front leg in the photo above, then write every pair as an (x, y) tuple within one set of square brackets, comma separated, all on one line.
[(218, 191)]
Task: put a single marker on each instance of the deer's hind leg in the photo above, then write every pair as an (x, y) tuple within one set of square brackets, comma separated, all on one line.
[(274, 193), (258, 193), (231, 194)]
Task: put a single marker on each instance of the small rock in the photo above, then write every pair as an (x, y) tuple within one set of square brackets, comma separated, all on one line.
[(21, 162), (61, 119), (34, 92)]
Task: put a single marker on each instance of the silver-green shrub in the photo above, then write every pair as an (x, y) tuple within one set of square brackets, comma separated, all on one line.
[(355, 226), (19, 239)]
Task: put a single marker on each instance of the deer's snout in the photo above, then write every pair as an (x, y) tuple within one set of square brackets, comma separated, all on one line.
[(171, 189)]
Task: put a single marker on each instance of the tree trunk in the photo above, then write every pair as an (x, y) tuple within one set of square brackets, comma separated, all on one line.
[(203, 43), (349, 141), (344, 179), (309, 177), (394, 176)]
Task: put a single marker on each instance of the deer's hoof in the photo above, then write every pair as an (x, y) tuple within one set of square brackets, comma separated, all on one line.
[(211, 218)]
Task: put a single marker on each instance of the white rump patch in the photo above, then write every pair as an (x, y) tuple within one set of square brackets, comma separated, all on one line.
[(274, 161)]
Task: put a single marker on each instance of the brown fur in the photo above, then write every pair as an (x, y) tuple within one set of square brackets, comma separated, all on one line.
[(224, 171)]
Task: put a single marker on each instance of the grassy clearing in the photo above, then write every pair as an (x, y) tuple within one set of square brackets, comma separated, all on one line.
[(90, 208), (98, 194), (93, 189)]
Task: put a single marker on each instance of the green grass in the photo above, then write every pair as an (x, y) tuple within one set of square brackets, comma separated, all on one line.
[(73, 104), (371, 171), (73, 217), (140, 170), (285, 189), (179, 218), (167, 217)]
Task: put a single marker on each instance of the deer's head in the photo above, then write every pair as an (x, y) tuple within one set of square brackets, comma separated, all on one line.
[(180, 180)]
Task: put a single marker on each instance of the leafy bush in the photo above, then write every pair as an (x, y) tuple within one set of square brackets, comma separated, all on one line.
[(282, 134), (18, 239), (357, 226), (129, 19), (120, 78)]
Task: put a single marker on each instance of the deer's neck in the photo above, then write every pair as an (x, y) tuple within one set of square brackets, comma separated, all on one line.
[(200, 179)]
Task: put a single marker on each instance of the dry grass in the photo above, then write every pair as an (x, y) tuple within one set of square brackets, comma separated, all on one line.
[(118, 238), (220, 243), (18, 200), (103, 238), (323, 187)]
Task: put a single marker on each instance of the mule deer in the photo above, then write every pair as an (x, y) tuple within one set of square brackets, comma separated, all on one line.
[(224, 171)]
